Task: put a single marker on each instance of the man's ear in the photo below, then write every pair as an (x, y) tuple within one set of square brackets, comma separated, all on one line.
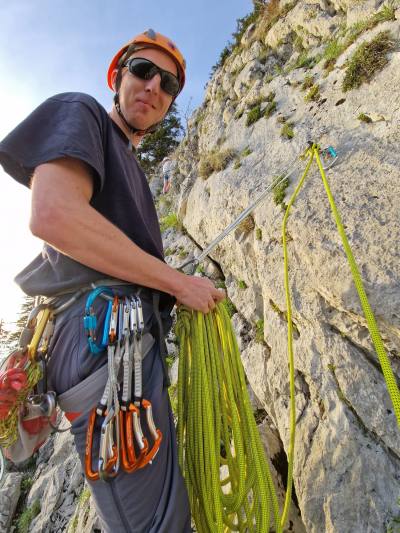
[(114, 79)]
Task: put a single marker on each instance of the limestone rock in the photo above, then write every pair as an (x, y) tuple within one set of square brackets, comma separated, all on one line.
[(9, 495), (57, 483)]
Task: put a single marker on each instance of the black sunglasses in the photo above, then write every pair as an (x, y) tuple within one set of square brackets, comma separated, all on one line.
[(145, 70)]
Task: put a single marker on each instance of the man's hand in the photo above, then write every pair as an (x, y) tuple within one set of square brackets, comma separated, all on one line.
[(198, 293)]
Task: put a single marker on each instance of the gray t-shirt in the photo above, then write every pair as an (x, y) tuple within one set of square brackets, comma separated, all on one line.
[(76, 125)]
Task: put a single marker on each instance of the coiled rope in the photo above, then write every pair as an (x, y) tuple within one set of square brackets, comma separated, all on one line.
[(220, 451)]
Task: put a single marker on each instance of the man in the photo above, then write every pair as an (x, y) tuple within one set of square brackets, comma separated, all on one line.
[(92, 207), (167, 171)]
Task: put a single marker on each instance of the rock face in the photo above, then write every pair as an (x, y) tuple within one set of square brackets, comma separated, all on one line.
[(9, 495), (347, 454)]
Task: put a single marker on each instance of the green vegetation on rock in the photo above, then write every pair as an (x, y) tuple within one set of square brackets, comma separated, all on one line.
[(253, 115), (260, 331), (26, 517), (364, 118), (313, 94), (170, 221), (230, 308), (247, 225), (215, 161), (369, 58), (308, 82), (287, 131), (270, 109), (279, 189)]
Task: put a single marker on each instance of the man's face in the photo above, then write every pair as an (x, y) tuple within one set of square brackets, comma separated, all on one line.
[(143, 102)]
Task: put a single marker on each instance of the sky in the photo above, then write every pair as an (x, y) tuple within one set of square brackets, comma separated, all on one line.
[(52, 46)]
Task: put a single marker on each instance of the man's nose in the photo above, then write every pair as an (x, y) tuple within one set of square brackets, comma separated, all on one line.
[(153, 84)]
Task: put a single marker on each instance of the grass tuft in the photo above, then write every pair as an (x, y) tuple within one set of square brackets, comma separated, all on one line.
[(247, 225), (287, 131), (369, 58), (247, 151), (215, 161), (170, 221), (270, 109), (260, 331), (313, 94), (24, 521), (253, 115), (230, 308), (308, 82), (364, 118), (279, 190)]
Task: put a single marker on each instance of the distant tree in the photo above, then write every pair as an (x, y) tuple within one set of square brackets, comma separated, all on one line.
[(162, 142), (12, 337), (241, 26)]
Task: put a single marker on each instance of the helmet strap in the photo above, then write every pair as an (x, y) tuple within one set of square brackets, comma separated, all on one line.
[(132, 129)]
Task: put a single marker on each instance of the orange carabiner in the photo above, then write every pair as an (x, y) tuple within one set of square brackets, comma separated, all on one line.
[(93, 475), (132, 431), (155, 433)]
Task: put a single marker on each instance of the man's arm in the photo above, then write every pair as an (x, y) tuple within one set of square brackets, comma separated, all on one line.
[(63, 217)]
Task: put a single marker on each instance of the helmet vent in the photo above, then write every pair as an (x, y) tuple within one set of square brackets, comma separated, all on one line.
[(151, 34)]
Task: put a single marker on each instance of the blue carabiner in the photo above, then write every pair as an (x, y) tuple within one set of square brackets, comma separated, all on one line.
[(90, 320)]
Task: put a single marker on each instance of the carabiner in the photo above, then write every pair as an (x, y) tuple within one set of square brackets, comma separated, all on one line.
[(130, 429), (155, 433), (109, 450), (90, 320), (112, 331), (328, 156), (93, 475)]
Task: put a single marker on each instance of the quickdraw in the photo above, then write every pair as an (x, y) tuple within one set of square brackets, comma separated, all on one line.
[(122, 440)]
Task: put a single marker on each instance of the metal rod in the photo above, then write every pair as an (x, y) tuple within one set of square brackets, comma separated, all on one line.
[(196, 260)]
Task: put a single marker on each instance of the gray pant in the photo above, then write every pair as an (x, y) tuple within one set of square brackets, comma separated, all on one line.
[(154, 498)]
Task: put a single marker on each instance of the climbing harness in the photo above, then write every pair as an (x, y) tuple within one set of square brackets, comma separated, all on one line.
[(122, 440), (27, 407), (206, 425)]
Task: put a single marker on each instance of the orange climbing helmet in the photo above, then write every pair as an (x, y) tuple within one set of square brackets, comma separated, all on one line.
[(151, 39)]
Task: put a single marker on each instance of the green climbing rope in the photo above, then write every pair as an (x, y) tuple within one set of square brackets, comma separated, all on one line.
[(220, 451), (388, 374), (384, 361)]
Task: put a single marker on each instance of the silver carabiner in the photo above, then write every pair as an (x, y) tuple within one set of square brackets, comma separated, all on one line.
[(109, 450)]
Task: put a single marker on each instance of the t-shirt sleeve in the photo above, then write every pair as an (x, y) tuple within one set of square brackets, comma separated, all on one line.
[(60, 127)]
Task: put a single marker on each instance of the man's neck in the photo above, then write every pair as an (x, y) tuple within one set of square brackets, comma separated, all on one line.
[(134, 138)]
